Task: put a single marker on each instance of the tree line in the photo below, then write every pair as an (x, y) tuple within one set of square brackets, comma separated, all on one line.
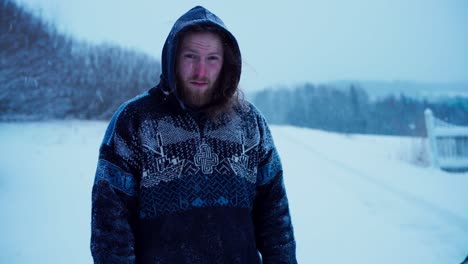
[(48, 75), (351, 111)]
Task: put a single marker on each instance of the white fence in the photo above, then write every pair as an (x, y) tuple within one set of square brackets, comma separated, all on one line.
[(448, 143)]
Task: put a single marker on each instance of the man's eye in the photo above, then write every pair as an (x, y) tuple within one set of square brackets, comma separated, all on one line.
[(213, 58), (189, 56)]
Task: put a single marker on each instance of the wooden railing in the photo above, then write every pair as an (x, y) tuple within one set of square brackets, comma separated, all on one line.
[(448, 143)]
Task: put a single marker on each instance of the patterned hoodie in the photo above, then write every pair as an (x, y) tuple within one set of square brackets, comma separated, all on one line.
[(172, 186)]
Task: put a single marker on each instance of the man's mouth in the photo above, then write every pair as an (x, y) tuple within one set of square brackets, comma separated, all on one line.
[(199, 83)]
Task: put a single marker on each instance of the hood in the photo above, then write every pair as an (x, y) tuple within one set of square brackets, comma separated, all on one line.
[(196, 15)]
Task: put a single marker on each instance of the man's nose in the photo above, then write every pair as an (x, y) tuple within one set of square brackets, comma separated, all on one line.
[(200, 69)]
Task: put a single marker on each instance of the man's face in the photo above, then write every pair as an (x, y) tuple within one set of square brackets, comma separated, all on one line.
[(199, 62)]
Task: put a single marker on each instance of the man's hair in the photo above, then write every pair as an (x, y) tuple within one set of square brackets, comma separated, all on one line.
[(226, 94)]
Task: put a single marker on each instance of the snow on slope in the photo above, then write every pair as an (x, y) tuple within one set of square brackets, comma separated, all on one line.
[(352, 198)]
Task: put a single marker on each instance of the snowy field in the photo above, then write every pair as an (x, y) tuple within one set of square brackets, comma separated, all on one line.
[(354, 199)]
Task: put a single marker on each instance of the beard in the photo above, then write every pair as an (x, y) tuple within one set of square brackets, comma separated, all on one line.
[(196, 98)]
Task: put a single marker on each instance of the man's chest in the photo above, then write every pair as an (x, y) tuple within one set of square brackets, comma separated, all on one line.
[(186, 164)]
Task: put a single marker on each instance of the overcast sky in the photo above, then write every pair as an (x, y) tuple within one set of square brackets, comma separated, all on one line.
[(288, 42)]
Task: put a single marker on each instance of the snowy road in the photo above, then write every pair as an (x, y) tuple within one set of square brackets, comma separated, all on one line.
[(376, 215), (372, 180), (352, 198)]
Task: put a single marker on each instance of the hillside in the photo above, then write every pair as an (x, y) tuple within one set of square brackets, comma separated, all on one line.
[(45, 74)]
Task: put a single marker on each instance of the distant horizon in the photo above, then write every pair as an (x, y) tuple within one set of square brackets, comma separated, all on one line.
[(440, 86), (379, 89), (319, 41)]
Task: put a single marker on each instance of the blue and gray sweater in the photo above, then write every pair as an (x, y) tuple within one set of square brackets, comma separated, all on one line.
[(172, 186)]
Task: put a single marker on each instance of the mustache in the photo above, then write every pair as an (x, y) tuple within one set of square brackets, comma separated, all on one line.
[(197, 78)]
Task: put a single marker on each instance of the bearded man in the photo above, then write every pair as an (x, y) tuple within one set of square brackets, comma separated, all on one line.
[(188, 172)]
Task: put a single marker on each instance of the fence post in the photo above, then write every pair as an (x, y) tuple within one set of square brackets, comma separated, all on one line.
[(431, 138)]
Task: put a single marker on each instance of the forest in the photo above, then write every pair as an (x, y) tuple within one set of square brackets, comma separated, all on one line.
[(45, 74), (352, 111)]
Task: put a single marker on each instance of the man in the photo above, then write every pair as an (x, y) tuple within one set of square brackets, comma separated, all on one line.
[(188, 172)]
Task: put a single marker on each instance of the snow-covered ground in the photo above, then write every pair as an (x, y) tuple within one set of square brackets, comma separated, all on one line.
[(354, 199)]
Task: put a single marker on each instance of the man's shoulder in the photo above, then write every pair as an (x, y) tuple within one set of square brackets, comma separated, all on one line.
[(127, 117), (149, 102), (132, 106), (133, 111), (247, 108)]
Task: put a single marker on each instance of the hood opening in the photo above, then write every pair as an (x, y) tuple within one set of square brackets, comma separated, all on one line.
[(197, 19)]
